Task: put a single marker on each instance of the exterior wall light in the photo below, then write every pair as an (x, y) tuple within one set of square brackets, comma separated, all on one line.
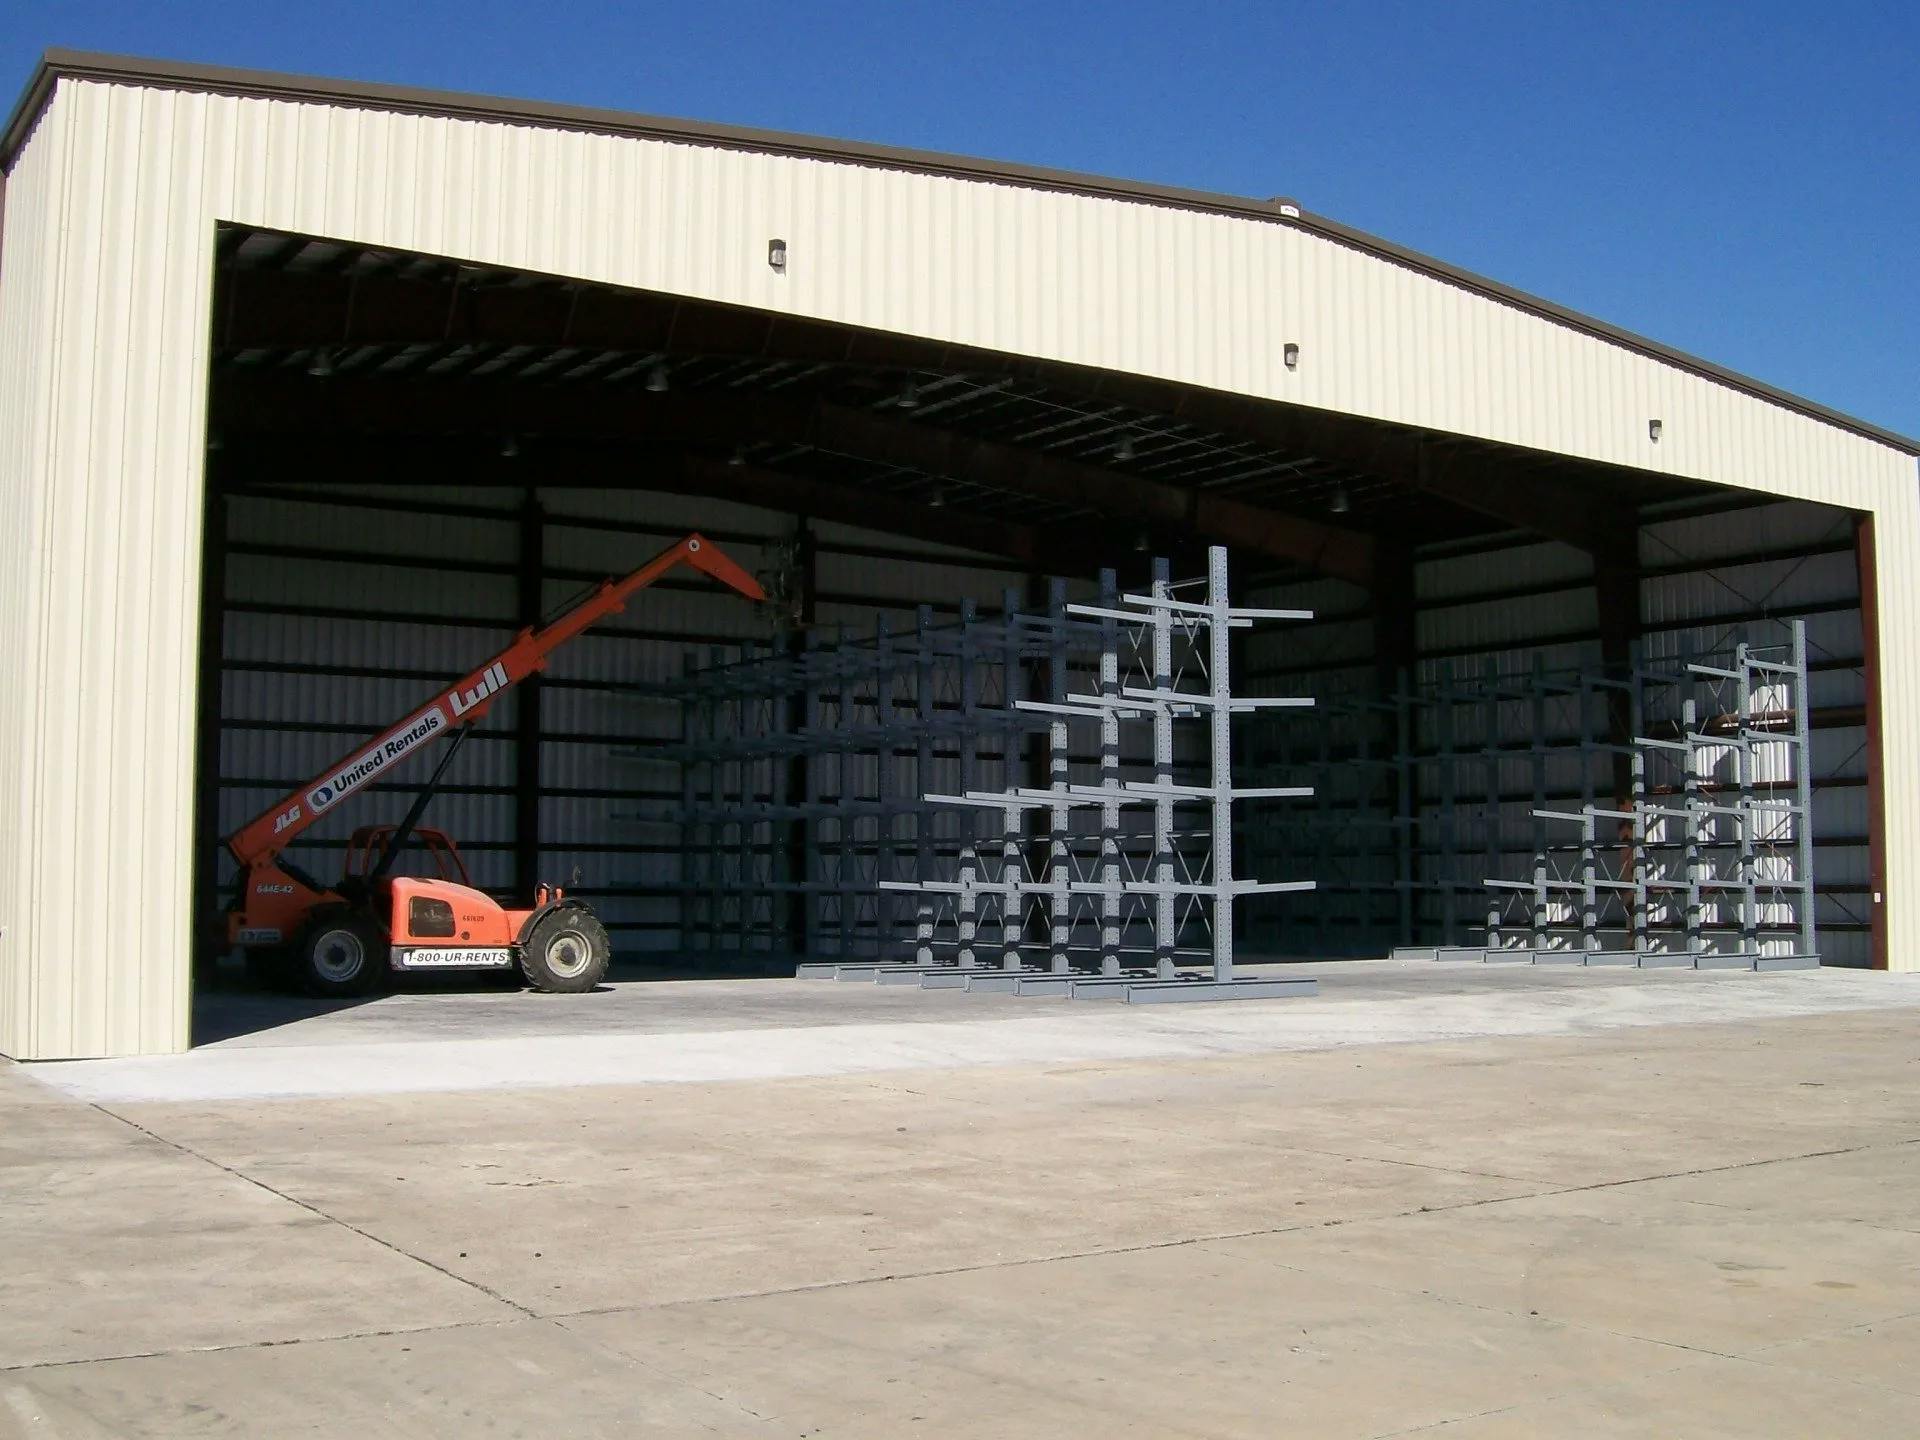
[(657, 378), (1291, 354), (777, 255), (1653, 431)]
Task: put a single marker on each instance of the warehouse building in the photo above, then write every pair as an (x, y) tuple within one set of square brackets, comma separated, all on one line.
[(312, 393)]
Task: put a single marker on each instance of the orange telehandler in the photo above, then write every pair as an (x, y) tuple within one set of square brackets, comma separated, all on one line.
[(339, 939)]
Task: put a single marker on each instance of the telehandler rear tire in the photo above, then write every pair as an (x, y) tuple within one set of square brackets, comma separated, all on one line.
[(340, 955), (567, 951), (270, 968)]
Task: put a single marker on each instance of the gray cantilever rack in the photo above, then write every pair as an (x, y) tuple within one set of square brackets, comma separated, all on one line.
[(1186, 878)]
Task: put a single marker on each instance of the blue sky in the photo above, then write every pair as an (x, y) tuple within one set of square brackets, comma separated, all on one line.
[(1738, 180)]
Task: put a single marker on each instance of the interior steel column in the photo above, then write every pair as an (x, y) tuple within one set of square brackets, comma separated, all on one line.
[(530, 576), (1395, 610), (800, 909), (1395, 603)]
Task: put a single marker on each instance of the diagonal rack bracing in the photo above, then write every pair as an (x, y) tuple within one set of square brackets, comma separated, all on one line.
[(1165, 665), (801, 765), (1708, 859)]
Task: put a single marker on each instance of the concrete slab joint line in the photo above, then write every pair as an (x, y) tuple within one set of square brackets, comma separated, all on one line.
[(1352, 1207), (312, 1209)]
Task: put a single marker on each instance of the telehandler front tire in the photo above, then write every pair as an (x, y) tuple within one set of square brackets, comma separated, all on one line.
[(566, 952)]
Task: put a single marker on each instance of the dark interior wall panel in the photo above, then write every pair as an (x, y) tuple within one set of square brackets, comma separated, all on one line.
[(1709, 580), (1523, 564), (343, 640), (414, 534), (344, 609), (424, 589), (340, 616), (590, 713)]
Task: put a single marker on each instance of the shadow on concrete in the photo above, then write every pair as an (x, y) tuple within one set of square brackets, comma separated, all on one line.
[(228, 1005)]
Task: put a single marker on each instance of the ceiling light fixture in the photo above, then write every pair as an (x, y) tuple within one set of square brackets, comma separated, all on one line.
[(1140, 541), (1123, 449), (937, 500), (321, 365), (657, 378), (1339, 502), (909, 397), (738, 457), (509, 447)]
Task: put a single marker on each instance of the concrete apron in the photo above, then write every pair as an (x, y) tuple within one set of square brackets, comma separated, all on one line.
[(1376, 1002)]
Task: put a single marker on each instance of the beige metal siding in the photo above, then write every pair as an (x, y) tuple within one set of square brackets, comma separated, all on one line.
[(28, 267), (1206, 299), (112, 206), (96, 864)]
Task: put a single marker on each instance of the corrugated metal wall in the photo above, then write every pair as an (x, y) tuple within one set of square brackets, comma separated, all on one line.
[(108, 241), (342, 609), (29, 270), (106, 267)]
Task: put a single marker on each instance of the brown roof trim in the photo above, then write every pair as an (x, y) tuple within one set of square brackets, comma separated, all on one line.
[(59, 64)]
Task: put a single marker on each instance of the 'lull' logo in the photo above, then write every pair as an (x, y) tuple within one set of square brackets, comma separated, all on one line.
[(492, 679)]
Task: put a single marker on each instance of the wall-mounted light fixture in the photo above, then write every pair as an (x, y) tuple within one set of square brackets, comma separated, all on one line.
[(509, 447), (1123, 448), (777, 255), (1653, 431), (738, 457), (657, 378), (321, 365), (909, 398), (1339, 502), (1291, 354), (937, 500)]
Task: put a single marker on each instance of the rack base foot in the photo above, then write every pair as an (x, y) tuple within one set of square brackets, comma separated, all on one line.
[(1165, 992), (1003, 982)]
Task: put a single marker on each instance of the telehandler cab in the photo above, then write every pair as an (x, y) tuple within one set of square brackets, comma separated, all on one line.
[(339, 939)]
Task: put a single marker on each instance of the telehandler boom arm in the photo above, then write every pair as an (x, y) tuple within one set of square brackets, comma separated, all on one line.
[(469, 698)]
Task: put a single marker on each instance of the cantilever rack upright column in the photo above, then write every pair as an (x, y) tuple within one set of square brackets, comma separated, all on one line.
[(1186, 874)]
